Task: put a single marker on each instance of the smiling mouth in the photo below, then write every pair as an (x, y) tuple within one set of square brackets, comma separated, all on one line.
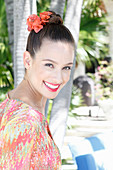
[(52, 87)]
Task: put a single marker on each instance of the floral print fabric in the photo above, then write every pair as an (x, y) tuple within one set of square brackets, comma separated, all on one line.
[(25, 139)]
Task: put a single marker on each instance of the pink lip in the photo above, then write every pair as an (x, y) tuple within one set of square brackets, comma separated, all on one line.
[(50, 89)]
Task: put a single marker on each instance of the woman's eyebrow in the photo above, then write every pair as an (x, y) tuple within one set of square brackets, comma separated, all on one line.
[(71, 63), (50, 61)]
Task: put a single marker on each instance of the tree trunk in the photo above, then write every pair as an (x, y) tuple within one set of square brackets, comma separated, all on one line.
[(10, 22), (109, 8), (22, 9), (57, 6), (61, 103)]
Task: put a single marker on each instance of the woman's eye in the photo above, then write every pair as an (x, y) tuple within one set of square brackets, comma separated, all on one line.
[(67, 68), (49, 65)]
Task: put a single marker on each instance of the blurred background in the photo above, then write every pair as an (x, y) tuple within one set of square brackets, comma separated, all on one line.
[(91, 23)]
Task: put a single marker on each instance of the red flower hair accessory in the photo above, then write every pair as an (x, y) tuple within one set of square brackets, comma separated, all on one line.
[(36, 23)]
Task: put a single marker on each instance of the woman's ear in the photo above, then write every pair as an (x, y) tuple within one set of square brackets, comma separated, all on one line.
[(27, 59)]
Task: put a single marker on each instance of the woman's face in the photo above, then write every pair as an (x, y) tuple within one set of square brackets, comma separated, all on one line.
[(50, 70)]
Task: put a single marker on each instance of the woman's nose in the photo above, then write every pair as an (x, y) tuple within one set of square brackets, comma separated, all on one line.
[(58, 78)]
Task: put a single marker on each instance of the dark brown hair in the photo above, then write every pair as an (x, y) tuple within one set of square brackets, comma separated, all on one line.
[(54, 30)]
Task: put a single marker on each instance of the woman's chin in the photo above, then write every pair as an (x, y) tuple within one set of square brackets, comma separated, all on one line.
[(52, 97)]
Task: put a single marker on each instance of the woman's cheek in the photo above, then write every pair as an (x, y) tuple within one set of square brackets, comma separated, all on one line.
[(66, 77)]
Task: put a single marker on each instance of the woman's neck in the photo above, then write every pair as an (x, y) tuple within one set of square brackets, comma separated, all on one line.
[(27, 94)]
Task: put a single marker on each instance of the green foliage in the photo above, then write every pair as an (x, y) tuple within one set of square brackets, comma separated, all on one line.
[(3, 91), (92, 43), (43, 5), (6, 72), (67, 162), (104, 81), (49, 110), (76, 100)]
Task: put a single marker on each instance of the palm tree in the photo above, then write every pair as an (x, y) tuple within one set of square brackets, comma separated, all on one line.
[(58, 6), (109, 8), (10, 23), (61, 103), (6, 73), (22, 9), (92, 37), (17, 13)]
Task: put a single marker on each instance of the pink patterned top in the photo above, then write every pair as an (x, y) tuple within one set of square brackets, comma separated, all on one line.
[(25, 139)]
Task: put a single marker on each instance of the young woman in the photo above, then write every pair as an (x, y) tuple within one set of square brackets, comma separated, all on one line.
[(25, 139)]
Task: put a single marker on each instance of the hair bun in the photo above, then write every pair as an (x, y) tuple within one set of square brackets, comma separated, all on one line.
[(56, 19)]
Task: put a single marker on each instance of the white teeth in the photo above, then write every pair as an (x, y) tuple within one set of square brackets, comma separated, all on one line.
[(51, 86)]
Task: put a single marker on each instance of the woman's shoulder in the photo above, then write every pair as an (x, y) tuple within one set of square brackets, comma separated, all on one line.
[(16, 111)]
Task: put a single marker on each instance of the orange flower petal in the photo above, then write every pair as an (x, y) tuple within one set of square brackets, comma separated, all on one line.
[(45, 13), (44, 17), (38, 28), (33, 17), (35, 22), (29, 28)]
